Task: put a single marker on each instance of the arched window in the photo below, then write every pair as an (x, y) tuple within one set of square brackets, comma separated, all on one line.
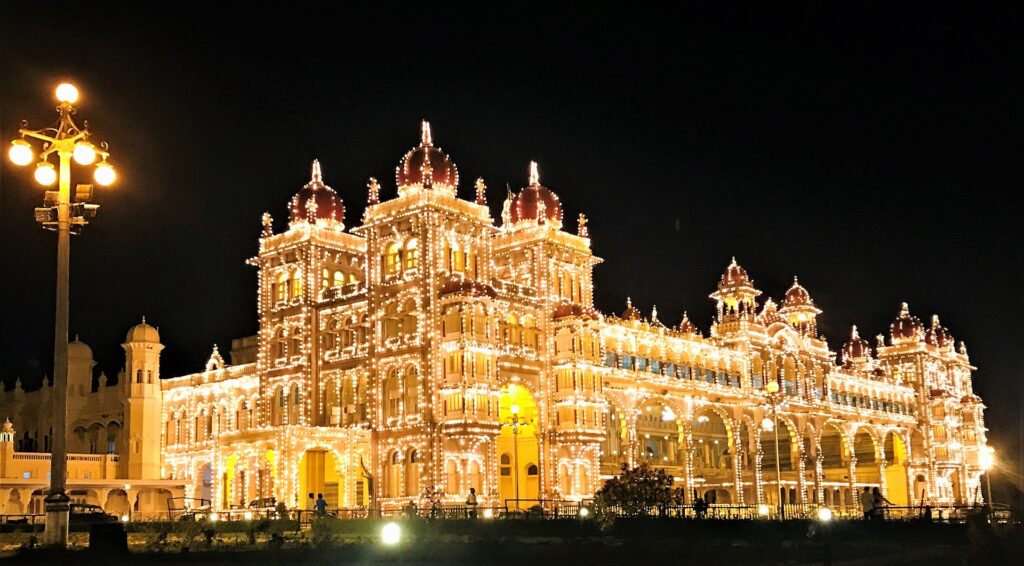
[(412, 258), (296, 284), (327, 278), (339, 279), (391, 260), (138, 376), (392, 394), (149, 376), (531, 470), (505, 467), (280, 287), (294, 405), (412, 391)]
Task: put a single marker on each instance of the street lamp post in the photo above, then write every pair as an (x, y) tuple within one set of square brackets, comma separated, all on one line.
[(516, 422), (987, 459), (66, 214), (774, 399)]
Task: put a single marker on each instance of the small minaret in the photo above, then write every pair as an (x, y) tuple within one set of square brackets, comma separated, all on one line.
[(481, 192), (582, 223), (373, 191), (140, 445)]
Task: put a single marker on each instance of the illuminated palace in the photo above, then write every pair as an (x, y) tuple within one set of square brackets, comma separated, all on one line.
[(431, 349)]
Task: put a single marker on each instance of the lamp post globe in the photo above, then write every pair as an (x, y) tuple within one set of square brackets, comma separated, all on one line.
[(20, 153), (67, 93)]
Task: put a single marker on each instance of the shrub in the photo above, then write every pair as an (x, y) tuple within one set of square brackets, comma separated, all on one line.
[(637, 491)]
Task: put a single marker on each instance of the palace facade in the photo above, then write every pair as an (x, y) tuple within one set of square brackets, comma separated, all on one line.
[(432, 349)]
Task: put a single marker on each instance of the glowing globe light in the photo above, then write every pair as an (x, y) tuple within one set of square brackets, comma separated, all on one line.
[(66, 92), (214, 517), (772, 387), (20, 152), (514, 409), (391, 534), (987, 459), (488, 513), (248, 515), (584, 512), (84, 154), (105, 174), (824, 514), (45, 174), (124, 518), (767, 425), (762, 509)]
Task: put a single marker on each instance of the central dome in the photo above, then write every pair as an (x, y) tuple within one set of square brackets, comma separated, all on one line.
[(529, 203), (426, 166)]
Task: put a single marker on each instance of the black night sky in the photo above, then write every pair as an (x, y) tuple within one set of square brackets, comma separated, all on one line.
[(875, 155)]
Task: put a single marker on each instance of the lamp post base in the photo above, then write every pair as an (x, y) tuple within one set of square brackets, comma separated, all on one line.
[(57, 518)]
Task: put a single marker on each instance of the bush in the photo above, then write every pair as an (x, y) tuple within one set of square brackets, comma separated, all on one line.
[(636, 491)]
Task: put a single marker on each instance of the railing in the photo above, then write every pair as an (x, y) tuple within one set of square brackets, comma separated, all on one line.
[(23, 519)]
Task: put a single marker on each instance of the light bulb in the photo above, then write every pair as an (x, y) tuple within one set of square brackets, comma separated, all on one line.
[(20, 152), (104, 174), (45, 175), (66, 92), (84, 154), (514, 409)]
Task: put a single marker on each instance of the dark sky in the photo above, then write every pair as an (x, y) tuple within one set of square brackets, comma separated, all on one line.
[(875, 155)]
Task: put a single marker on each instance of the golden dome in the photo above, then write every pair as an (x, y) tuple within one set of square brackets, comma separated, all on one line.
[(143, 332)]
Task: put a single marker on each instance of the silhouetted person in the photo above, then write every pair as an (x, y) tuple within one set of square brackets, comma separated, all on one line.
[(471, 503), (321, 505)]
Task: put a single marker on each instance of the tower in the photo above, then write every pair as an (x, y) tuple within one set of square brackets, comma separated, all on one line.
[(142, 404)]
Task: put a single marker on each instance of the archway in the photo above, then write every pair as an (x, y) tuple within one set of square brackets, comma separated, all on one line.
[(14, 505), (518, 448), (835, 471), (318, 473), (712, 453), (896, 470), (864, 449), (774, 465), (657, 432), (117, 502)]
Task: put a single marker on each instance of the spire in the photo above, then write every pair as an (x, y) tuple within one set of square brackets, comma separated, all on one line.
[(373, 194), (629, 303), (268, 224), (853, 333), (733, 263), (654, 313), (904, 310), (143, 319), (935, 321), (317, 178), (534, 174), (880, 340), (582, 223), (481, 191), (796, 281), (425, 138)]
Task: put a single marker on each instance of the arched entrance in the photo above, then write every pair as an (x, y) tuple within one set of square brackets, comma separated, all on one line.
[(205, 491), (896, 470), (835, 471), (518, 448), (868, 468), (318, 473), (774, 489), (711, 450)]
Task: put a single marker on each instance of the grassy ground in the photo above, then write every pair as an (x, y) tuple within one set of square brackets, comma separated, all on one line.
[(547, 542)]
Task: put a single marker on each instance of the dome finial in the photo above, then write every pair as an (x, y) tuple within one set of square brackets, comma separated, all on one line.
[(796, 281), (853, 333), (143, 319), (373, 191), (904, 309), (629, 303), (317, 178), (534, 174), (425, 138)]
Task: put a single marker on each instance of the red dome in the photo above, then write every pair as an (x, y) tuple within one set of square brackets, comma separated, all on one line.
[(734, 274), (856, 347), (527, 203), (630, 313), (906, 326), (316, 201), (426, 165), (938, 335), (687, 327), (797, 296)]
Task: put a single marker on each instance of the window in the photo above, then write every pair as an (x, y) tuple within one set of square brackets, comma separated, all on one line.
[(391, 260), (138, 376), (280, 287), (411, 254), (296, 284), (339, 279), (506, 465), (532, 470)]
